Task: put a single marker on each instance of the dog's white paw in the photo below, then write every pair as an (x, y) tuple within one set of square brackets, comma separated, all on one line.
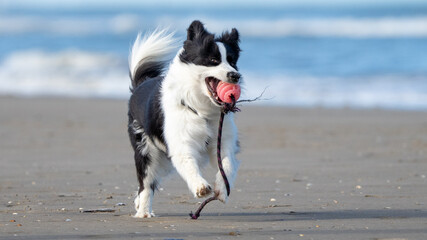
[(136, 202), (201, 190), (143, 214), (221, 190), (222, 196), (143, 207)]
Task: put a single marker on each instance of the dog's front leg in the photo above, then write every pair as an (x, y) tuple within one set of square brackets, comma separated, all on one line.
[(230, 164), (186, 135), (187, 166)]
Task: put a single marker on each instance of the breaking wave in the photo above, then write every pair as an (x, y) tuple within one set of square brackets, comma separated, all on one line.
[(385, 91), (67, 73), (77, 73)]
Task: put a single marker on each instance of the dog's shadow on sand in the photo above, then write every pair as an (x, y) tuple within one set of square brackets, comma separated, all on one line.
[(321, 215)]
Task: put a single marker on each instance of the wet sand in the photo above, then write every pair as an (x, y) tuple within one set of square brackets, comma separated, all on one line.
[(305, 174)]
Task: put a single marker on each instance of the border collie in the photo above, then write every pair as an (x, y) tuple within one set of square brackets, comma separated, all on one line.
[(174, 110)]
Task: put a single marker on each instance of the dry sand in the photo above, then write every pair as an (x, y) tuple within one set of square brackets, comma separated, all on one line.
[(305, 174)]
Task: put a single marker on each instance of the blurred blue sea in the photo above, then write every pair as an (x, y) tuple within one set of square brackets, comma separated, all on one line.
[(367, 55)]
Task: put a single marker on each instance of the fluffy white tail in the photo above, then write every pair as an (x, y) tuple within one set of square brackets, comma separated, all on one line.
[(149, 54)]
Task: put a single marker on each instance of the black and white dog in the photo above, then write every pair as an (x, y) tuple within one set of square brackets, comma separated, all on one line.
[(174, 110)]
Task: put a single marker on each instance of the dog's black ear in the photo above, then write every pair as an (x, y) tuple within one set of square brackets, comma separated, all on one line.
[(195, 30), (232, 38), (234, 35)]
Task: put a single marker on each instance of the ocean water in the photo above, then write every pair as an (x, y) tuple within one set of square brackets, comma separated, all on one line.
[(362, 56)]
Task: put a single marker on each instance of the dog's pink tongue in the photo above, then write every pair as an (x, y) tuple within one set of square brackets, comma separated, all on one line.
[(225, 90)]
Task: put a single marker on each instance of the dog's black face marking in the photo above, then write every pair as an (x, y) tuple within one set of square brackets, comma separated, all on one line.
[(231, 42), (200, 47)]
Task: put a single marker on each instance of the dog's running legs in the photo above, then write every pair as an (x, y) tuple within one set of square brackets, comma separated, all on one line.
[(189, 170)]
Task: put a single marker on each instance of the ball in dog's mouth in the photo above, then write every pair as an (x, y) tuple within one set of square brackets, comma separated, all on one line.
[(221, 91), (228, 92)]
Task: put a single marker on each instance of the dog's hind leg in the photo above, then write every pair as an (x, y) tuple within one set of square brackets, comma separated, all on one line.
[(145, 192), (151, 169), (143, 200), (151, 164)]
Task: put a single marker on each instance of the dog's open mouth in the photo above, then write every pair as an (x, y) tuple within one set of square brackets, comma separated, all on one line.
[(212, 84)]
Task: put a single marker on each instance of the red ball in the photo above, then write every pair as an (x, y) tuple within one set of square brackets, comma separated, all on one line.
[(225, 90)]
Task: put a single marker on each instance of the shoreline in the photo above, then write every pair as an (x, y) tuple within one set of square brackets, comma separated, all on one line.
[(258, 104)]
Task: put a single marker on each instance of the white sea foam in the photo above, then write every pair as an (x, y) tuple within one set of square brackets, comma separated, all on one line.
[(376, 91), (66, 73), (380, 27), (85, 74)]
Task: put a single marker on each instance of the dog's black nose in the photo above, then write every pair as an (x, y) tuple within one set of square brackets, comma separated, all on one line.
[(233, 77)]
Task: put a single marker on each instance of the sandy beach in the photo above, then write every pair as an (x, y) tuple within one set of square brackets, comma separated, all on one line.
[(305, 174)]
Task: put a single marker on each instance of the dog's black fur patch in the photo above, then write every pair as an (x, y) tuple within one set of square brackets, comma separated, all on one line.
[(231, 42), (200, 47), (145, 111)]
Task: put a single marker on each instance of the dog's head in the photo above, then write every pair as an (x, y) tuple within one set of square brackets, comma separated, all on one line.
[(215, 58)]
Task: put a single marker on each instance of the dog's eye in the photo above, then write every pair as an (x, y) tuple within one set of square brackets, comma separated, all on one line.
[(214, 60), (231, 61)]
